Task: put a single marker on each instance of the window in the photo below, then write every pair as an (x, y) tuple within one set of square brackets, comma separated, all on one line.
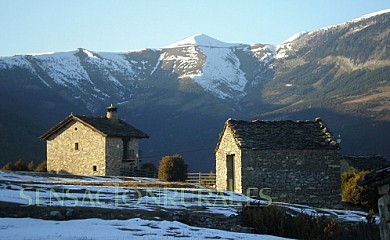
[(129, 155), (94, 168), (76, 146), (125, 149)]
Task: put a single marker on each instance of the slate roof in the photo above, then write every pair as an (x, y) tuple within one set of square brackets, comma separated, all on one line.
[(103, 125), (377, 177), (366, 162), (285, 134)]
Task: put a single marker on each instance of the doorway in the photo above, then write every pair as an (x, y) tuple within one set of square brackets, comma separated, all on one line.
[(230, 172)]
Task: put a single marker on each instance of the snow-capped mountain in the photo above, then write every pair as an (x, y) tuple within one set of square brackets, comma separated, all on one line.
[(210, 63), (182, 93), (202, 40)]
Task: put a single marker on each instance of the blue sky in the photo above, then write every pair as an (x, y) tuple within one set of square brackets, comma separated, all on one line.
[(36, 26)]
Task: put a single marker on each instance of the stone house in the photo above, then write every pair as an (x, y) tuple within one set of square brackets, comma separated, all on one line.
[(91, 145), (298, 161), (380, 178)]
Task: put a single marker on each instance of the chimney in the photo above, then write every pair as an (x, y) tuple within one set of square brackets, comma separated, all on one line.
[(112, 113)]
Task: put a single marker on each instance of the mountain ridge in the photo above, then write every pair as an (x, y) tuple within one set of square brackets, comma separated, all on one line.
[(203, 40)]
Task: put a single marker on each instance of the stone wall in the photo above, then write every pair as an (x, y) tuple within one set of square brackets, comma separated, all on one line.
[(384, 211), (76, 149), (295, 176), (114, 153), (226, 147)]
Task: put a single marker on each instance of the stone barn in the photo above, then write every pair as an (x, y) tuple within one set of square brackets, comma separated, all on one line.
[(380, 178), (91, 145), (298, 161)]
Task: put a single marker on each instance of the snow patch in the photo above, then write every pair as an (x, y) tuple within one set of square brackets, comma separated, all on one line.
[(89, 54), (282, 50), (99, 192), (162, 56), (294, 37), (64, 68), (202, 40), (367, 16), (22, 62), (34, 229), (370, 15), (265, 53), (221, 73), (117, 62), (16, 61), (45, 53)]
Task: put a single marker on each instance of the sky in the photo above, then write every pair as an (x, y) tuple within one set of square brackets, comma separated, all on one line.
[(39, 26)]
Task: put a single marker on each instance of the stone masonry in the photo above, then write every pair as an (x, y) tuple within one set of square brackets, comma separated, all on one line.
[(296, 176), (90, 145), (298, 162), (114, 151), (228, 147), (63, 157)]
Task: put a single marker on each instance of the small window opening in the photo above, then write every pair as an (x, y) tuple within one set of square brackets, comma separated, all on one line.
[(76, 146), (75, 128), (94, 168)]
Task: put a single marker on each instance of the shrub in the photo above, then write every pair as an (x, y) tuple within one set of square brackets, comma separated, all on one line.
[(276, 221), (172, 168), (266, 220), (282, 222), (148, 166), (30, 166), (20, 165), (42, 167), (8, 166), (362, 196)]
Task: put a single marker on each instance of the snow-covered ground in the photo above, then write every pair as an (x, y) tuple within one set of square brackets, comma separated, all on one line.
[(112, 193), (31, 229)]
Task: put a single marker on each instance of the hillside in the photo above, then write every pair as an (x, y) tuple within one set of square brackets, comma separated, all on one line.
[(182, 94)]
